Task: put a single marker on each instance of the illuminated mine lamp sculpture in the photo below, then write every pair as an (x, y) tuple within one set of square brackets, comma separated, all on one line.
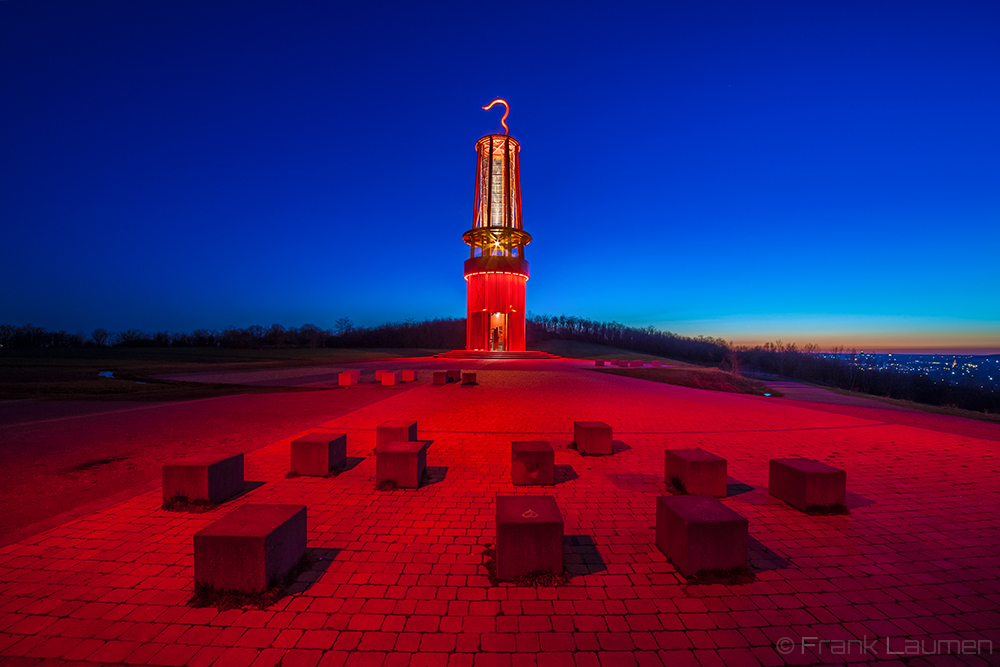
[(496, 272)]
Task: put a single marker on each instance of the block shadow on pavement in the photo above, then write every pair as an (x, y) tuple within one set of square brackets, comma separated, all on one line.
[(735, 487), (562, 473), (617, 447), (352, 463), (433, 475), (852, 500), (323, 558), (763, 559), (248, 486), (581, 556)]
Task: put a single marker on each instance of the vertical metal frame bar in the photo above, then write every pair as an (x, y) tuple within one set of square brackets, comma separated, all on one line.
[(475, 202), (517, 191), (489, 200), (507, 222)]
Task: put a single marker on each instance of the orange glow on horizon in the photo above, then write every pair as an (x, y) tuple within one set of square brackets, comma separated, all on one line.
[(503, 121), (924, 342), (871, 333)]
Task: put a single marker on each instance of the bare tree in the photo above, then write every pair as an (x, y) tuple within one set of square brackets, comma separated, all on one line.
[(100, 337), (344, 325), (7, 332)]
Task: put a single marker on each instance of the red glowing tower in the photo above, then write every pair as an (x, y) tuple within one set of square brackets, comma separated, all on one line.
[(496, 272)]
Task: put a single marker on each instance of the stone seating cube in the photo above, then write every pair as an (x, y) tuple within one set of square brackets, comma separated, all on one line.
[(441, 377), (402, 463), (409, 376), (656, 363), (805, 484), (251, 548), (592, 437), (599, 362), (529, 536), (348, 378), (318, 453), (378, 376), (454, 376), (532, 462), (701, 473), (468, 377), (636, 364), (390, 378), (700, 533), (395, 431), (203, 478)]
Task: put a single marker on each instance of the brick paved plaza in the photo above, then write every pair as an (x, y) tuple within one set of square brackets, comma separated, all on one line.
[(401, 577)]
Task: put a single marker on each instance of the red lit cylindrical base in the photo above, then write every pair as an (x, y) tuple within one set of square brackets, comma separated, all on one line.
[(495, 315)]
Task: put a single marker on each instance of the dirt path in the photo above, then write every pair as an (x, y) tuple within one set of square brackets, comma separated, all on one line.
[(817, 398)]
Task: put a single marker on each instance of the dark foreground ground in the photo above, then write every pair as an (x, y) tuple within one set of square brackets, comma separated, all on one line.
[(401, 578)]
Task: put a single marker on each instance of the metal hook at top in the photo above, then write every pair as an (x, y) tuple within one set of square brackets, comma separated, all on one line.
[(502, 120)]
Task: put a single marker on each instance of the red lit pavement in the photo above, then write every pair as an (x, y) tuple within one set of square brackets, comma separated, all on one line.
[(915, 566)]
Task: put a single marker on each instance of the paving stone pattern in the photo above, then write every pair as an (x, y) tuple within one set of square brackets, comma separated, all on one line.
[(402, 577)]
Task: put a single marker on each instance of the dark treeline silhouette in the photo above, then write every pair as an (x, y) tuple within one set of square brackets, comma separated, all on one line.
[(843, 373), (29, 336), (443, 333), (438, 333), (648, 340)]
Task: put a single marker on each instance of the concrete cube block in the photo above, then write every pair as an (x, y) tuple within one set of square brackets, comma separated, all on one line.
[(700, 533), (454, 376), (592, 437), (395, 431), (318, 453), (441, 377), (378, 376), (348, 378), (409, 376), (804, 483), (251, 548), (529, 536), (599, 362), (390, 378), (635, 364), (701, 473), (468, 377), (203, 478), (402, 463), (532, 462), (656, 364)]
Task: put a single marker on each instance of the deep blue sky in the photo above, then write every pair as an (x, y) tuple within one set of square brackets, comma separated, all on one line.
[(821, 172)]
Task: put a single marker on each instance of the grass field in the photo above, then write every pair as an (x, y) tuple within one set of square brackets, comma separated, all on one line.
[(74, 373), (577, 350), (681, 373), (910, 405), (696, 377)]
